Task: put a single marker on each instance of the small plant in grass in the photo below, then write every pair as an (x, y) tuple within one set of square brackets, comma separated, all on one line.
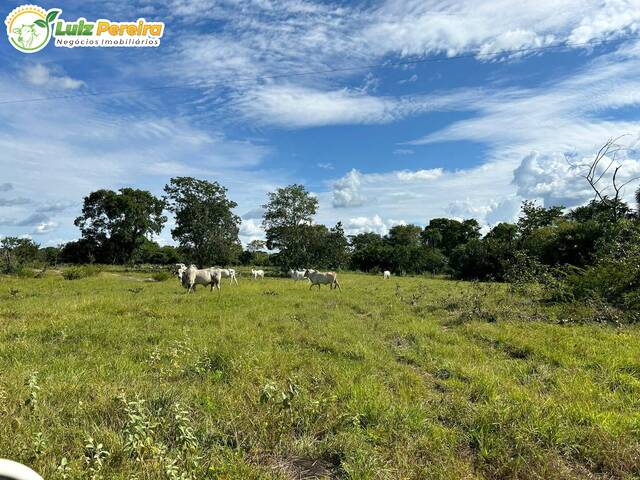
[(63, 470), (34, 391), (14, 292), (38, 444), (94, 458), (139, 430), (282, 398), (3, 401)]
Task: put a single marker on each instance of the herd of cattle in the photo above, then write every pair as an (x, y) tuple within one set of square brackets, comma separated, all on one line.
[(192, 276)]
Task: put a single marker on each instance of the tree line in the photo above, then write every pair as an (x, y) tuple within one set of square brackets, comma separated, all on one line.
[(568, 245)]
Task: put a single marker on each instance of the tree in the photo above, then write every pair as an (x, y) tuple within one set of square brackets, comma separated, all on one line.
[(326, 248), (256, 245), (405, 245), (206, 228), (15, 252), (534, 217), (287, 218), (596, 171), (369, 252), (117, 223), (447, 234), (599, 211), (503, 232)]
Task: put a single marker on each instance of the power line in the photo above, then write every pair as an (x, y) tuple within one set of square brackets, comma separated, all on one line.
[(477, 54)]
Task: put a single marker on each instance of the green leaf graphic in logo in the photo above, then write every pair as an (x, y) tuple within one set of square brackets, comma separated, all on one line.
[(51, 16)]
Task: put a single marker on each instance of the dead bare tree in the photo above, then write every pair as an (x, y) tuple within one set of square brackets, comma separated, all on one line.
[(607, 155)]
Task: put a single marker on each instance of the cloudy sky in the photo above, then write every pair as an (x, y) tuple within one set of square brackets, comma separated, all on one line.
[(389, 111)]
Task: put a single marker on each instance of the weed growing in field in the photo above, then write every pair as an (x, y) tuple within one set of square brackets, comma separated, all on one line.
[(139, 430), (271, 394), (95, 456), (63, 470), (34, 391), (38, 444)]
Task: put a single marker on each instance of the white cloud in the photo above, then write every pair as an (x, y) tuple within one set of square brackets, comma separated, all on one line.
[(347, 191), (42, 76), (251, 229), (373, 224), (45, 228), (551, 178), (409, 176), (325, 166), (295, 106)]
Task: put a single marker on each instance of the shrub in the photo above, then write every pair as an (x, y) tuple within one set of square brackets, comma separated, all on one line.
[(76, 273), (161, 276)]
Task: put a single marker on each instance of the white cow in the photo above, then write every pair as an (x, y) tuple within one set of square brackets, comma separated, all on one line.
[(386, 274), (257, 274), (229, 273), (179, 269), (297, 275), (193, 276), (319, 278)]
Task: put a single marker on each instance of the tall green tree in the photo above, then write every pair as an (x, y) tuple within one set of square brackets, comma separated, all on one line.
[(118, 223), (446, 234), (287, 220), (534, 216), (206, 227), (15, 251)]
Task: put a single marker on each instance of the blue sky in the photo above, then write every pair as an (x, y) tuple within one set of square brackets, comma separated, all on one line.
[(470, 130)]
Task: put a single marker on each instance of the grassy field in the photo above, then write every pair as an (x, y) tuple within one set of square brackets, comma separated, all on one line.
[(114, 377)]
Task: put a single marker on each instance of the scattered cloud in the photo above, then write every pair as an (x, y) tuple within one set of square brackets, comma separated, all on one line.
[(408, 176), (5, 187), (403, 151), (325, 166), (347, 191), (45, 228), (374, 224), (43, 76), (12, 202), (254, 214)]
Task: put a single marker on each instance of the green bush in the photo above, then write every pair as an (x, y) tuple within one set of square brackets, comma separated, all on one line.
[(76, 273), (161, 276)]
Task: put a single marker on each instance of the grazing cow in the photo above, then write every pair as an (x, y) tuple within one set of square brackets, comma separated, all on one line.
[(26, 35), (319, 278), (257, 274), (193, 276), (230, 273), (386, 274), (297, 275), (179, 269)]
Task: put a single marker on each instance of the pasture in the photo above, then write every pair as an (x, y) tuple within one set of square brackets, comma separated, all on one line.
[(409, 378)]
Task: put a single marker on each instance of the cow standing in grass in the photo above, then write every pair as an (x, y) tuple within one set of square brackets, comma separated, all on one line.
[(319, 278), (386, 274), (257, 274), (230, 273), (297, 275), (193, 276)]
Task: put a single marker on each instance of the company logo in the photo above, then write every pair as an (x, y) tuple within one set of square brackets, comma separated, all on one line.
[(30, 28)]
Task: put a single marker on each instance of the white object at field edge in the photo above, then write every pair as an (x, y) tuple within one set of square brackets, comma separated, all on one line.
[(16, 471)]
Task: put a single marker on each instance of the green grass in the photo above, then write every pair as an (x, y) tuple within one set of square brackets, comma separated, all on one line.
[(408, 378)]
